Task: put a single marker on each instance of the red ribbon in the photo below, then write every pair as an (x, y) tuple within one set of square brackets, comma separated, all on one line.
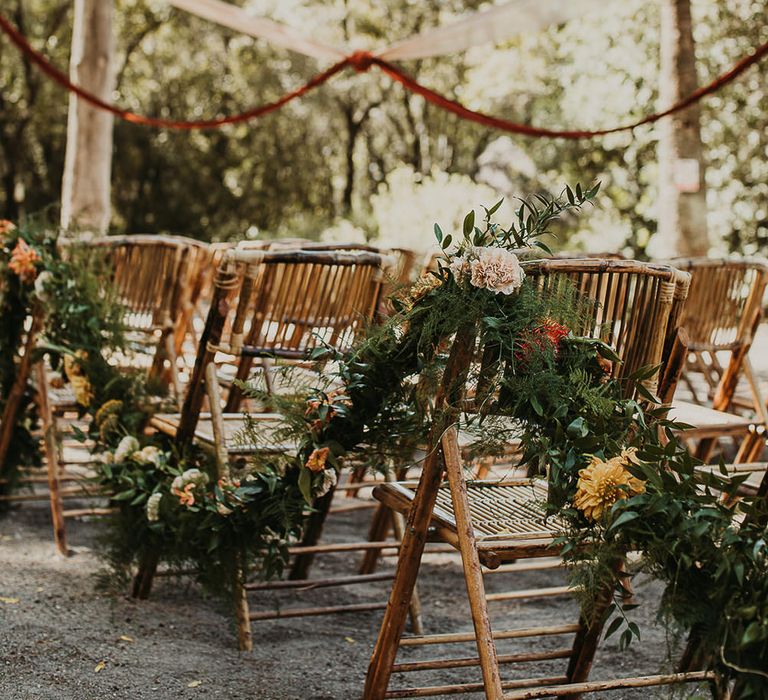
[(361, 61)]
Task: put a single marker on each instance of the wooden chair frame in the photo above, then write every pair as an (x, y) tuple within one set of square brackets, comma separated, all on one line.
[(656, 307), (723, 313), (270, 304)]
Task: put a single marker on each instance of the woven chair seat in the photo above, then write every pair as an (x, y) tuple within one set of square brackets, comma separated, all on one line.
[(234, 424), (708, 422), (507, 516)]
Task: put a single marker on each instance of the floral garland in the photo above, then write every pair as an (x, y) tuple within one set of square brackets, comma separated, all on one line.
[(618, 477), (80, 325)]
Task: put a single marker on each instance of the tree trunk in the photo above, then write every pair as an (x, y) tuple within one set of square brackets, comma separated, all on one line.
[(85, 202), (682, 190)]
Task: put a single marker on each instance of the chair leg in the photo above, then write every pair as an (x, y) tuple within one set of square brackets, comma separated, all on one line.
[(142, 582), (705, 448), (588, 636), (377, 532), (417, 627), (757, 395), (473, 575), (170, 353), (52, 462), (242, 613), (411, 551), (312, 532)]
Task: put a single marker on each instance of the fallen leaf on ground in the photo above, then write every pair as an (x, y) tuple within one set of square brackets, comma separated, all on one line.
[(100, 666), (350, 640), (194, 684), (126, 638), (8, 601)]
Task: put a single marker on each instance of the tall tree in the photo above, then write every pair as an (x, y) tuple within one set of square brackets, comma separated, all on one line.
[(682, 188), (85, 201)]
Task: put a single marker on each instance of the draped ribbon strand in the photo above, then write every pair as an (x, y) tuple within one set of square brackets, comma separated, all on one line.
[(362, 61)]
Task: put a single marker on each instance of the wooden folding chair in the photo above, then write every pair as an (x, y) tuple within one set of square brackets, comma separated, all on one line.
[(153, 278), (496, 522), (721, 316), (268, 304)]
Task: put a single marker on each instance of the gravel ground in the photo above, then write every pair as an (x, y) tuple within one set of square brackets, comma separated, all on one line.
[(61, 638)]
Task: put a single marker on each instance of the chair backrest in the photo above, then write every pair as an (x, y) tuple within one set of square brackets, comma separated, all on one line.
[(632, 306), (283, 304), (635, 307), (150, 275), (724, 302)]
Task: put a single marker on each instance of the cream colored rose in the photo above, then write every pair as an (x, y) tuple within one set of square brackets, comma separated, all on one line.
[(126, 447), (153, 507), (149, 455), (496, 269)]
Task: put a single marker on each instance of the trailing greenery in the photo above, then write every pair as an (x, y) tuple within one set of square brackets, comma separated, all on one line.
[(619, 479), (80, 324)]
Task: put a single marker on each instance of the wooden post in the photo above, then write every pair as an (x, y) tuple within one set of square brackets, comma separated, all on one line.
[(682, 188), (85, 201)]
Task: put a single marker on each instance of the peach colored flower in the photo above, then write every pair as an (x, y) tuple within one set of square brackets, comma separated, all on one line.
[(23, 261), (6, 227), (316, 461), (186, 496), (496, 269)]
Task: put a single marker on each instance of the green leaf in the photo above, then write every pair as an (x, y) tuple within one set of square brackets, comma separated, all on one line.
[(438, 233), (447, 241), (495, 207), (305, 484), (614, 626), (469, 223), (626, 517), (577, 428)]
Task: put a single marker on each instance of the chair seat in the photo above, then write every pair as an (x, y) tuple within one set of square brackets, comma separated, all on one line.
[(508, 516), (234, 424), (708, 422)]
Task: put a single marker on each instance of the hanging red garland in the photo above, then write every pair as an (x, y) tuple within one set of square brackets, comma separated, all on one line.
[(362, 61)]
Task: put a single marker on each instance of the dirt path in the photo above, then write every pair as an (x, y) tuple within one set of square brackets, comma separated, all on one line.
[(63, 639)]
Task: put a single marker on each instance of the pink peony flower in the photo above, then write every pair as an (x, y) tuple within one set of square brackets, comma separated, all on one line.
[(496, 269)]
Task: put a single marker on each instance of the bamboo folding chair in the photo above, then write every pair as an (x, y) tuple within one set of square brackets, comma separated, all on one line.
[(721, 316), (492, 523), (269, 304), (153, 277)]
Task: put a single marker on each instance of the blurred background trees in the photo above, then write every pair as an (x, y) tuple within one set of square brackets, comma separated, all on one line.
[(360, 156)]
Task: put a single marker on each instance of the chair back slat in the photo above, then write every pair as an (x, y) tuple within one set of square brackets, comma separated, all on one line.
[(724, 302), (283, 303), (151, 276), (630, 304)]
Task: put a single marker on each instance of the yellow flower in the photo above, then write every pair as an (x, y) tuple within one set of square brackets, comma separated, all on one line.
[(423, 286), (316, 461), (82, 389), (23, 261), (107, 410), (603, 483), (73, 364)]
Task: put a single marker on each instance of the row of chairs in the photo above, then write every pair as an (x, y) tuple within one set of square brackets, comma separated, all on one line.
[(255, 312)]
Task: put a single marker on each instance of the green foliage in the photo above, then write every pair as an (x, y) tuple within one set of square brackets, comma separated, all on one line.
[(550, 387), (325, 156)]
